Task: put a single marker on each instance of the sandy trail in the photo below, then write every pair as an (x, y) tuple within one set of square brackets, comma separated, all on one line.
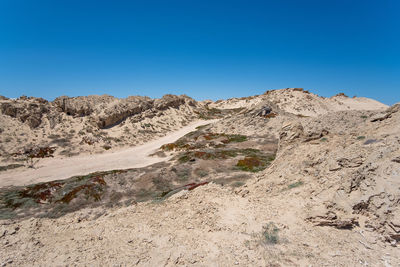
[(61, 168)]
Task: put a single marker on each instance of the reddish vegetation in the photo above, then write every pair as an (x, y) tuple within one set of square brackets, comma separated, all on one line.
[(211, 136), (188, 144), (194, 185), (248, 163), (341, 94), (174, 146), (212, 155), (169, 147), (271, 115), (39, 152), (41, 192), (91, 190), (88, 140), (202, 155)]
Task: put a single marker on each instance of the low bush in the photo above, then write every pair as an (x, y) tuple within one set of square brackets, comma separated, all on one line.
[(270, 234), (255, 163), (296, 184), (10, 166)]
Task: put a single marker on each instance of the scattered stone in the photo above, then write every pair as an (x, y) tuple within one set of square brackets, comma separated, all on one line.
[(330, 219), (264, 111), (396, 159)]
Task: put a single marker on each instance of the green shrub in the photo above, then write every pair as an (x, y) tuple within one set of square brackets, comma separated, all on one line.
[(270, 234), (235, 138), (254, 162), (237, 184), (203, 173), (183, 175), (249, 163), (296, 184), (10, 166)]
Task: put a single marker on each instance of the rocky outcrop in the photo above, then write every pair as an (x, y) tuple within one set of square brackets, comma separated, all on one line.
[(103, 111), (82, 105), (264, 111), (121, 110), (168, 101), (29, 112), (107, 111)]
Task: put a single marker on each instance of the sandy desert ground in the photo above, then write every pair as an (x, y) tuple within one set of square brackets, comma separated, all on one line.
[(287, 178)]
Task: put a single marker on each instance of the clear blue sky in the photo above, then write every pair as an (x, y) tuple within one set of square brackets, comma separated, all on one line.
[(206, 49)]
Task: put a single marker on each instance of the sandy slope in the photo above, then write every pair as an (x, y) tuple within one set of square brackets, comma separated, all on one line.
[(61, 168)]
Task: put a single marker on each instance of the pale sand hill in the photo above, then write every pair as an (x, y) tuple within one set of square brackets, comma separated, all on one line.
[(298, 101)]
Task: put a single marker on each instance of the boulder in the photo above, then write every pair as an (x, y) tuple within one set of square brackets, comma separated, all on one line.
[(264, 111)]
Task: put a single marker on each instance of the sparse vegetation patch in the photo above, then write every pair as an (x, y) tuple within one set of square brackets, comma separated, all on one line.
[(191, 141), (270, 234), (55, 197), (296, 184), (34, 154), (10, 166)]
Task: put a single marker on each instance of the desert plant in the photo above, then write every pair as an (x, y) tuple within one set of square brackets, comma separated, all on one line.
[(270, 115), (296, 184), (235, 138), (33, 155), (10, 166), (202, 173), (254, 162), (270, 234), (183, 175), (237, 184), (249, 163), (107, 147)]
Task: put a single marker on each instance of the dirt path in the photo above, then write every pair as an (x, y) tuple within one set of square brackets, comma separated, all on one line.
[(62, 168)]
